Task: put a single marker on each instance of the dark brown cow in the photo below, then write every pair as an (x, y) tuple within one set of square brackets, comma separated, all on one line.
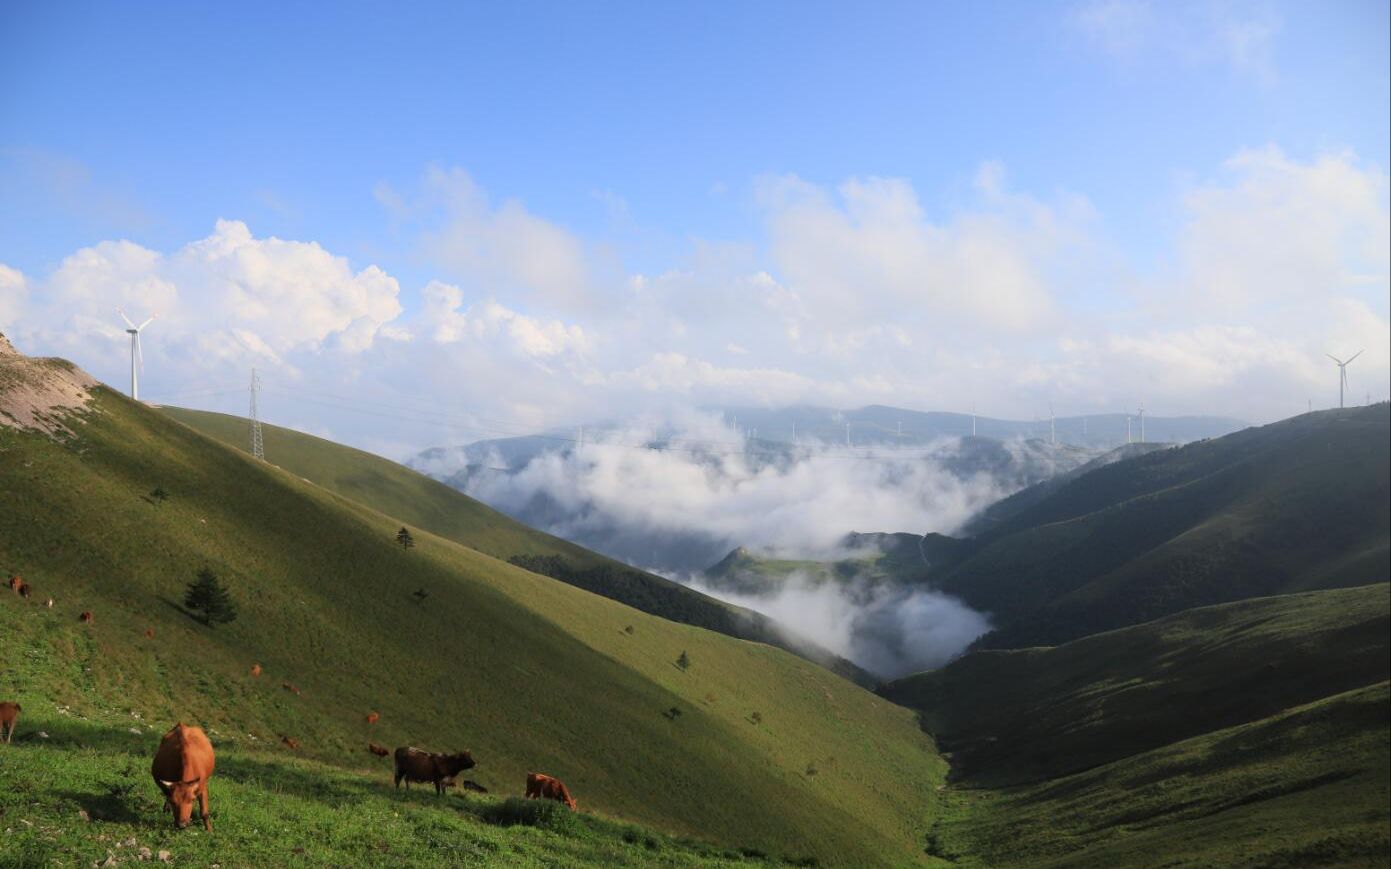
[(9, 715), (412, 764), (378, 750), (540, 786), (291, 742), (23, 590), (291, 688), (86, 617), (373, 718), (149, 633), (183, 764)]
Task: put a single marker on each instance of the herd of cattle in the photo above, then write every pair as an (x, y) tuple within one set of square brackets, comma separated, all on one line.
[(185, 759)]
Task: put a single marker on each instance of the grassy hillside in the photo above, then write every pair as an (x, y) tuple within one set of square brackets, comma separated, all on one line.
[(1303, 788), (421, 502), (526, 672), (1297, 505), (1013, 716), (1255, 733)]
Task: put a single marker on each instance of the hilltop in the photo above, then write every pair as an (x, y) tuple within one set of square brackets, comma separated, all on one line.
[(527, 672)]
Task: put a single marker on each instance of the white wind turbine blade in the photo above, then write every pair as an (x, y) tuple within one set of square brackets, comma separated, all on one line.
[(124, 317), (1353, 356), (1336, 359), (146, 323)]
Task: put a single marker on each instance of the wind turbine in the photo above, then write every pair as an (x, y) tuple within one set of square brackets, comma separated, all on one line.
[(1342, 373), (137, 360), (1141, 414)]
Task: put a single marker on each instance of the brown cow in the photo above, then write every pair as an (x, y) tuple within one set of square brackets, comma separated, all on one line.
[(291, 688), (412, 764), (23, 590), (149, 633), (15, 582), (183, 764), (373, 718), (378, 750), (539, 786), (255, 671), (9, 714), (86, 617), (291, 742)]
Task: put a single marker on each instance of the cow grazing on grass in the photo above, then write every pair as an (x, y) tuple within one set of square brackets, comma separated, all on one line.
[(15, 582), (183, 764), (86, 617), (48, 603), (23, 590), (149, 633), (291, 688), (378, 750), (291, 742), (412, 764), (9, 715), (373, 718), (255, 671), (539, 787)]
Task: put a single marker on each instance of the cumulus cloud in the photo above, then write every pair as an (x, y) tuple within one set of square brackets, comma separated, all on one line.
[(13, 293)]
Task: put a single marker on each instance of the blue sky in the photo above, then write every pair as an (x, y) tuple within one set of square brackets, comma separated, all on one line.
[(1124, 151)]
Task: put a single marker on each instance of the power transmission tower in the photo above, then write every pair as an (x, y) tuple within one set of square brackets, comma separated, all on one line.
[(258, 448)]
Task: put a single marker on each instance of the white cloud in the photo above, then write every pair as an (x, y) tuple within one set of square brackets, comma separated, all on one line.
[(1241, 34), (13, 294), (489, 321)]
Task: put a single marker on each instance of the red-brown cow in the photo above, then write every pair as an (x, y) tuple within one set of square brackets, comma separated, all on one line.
[(149, 633), (255, 671), (412, 764), (15, 582), (539, 786), (378, 750), (9, 715), (291, 742), (373, 718), (183, 764), (86, 617)]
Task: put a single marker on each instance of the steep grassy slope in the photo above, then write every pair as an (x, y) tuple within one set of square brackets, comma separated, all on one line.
[(1252, 733), (1021, 715), (526, 672), (1300, 504), (1303, 788), (422, 502)]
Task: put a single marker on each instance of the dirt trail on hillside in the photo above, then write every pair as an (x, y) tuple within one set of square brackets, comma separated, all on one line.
[(40, 393)]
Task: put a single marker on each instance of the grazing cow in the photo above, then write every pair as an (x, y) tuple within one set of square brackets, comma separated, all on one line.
[(474, 786), (23, 590), (9, 714), (378, 750), (48, 603), (412, 764), (373, 718), (15, 582), (291, 742), (255, 671), (149, 633), (183, 764), (86, 617), (540, 786), (291, 688)]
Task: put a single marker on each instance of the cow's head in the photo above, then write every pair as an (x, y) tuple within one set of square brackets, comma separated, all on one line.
[(458, 762), (178, 799)]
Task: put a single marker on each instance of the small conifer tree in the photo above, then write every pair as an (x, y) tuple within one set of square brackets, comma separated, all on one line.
[(404, 538), (208, 600), (684, 662), (159, 495)]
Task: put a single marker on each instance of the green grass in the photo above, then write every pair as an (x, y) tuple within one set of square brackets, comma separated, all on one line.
[(421, 502), (1253, 733), (1306, 787), (1297, 505), (526, 672)]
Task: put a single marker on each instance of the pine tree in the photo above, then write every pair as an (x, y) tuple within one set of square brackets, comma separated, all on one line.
[(159, 495), (208, 600), (684, 661), (404, 538)]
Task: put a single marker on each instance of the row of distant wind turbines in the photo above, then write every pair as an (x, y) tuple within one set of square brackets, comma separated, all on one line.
[(137, 366)]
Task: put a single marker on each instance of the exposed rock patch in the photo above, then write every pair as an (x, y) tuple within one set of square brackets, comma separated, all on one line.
[(40, 394)]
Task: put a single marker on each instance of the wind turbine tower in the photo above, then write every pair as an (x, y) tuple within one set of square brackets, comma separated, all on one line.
[(1127, 428), (1141, 414), (137, 361), (258, 447), (1343, 373), (1052, 426)]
